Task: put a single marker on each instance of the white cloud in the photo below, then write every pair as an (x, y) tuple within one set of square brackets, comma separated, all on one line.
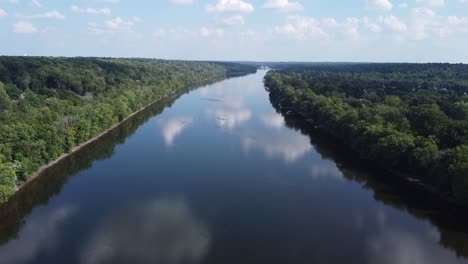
[(48, 15), (457, 21), (423, 19), (351, 28), (232, 20), (118, 23), (403, 5), (173, 33), (301, 27), (114, 25), (283, 5), (394, 23), (370, 25), (3, 13), (433, 3), (36, 3), (24, 27), (183, 2), (239, 6), (330, 22), (210, 32), (383, 5), (88, 10)]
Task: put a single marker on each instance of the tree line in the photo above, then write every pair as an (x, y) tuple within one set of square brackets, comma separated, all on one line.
[(50, 105), (409, 118)]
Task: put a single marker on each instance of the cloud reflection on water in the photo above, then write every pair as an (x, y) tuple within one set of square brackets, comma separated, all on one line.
[(230, 118), (283, 144), (37, 235), (326, 170), (163, 231), (173, 127), (393, 245), (274, 120)]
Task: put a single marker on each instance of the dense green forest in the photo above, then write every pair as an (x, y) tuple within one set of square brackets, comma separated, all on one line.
[(409, 118), (50, 105)]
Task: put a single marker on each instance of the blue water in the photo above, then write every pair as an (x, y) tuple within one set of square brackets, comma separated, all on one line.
[(218, 177)]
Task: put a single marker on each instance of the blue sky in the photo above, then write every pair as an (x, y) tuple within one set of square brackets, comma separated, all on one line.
[(267, 30)]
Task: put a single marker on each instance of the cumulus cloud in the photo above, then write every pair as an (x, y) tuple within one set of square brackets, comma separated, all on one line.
[(36, 3), (183, 2), (383, 5), (119, 23), (433, 3), (423, 19), (48, 15), (236, 6), (3, 13), (283, 5), (24, 27), (232, 20), (211, 32), (457, 21), (394, 23), (89, 10), (301, 27), (371, 25)]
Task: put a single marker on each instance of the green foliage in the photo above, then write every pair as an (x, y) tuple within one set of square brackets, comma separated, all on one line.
[(458, 170), (50, 105), (5, 103), (405, 117), (7, 181)]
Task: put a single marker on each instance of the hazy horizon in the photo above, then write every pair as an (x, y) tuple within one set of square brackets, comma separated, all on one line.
[(414, 31)]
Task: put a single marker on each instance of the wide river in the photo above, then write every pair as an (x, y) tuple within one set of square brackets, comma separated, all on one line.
[(218, 176)]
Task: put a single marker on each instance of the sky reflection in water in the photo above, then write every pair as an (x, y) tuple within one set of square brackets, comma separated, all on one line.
[(219, 178)]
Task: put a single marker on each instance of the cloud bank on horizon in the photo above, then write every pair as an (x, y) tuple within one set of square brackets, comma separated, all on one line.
[(265, 30)]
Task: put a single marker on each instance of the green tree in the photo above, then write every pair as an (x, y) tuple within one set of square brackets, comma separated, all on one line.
[(5, 103), (458, 169)]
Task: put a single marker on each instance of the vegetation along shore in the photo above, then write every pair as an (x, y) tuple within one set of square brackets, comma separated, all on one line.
[(52, 106), (410, 118)]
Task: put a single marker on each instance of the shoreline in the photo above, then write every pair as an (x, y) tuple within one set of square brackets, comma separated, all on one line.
[(41, 170), (408, 178)]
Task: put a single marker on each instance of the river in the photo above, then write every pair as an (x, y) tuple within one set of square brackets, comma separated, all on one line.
[(216, 175)]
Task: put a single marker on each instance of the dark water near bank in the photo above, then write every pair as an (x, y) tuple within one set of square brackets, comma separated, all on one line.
[(219, 177)]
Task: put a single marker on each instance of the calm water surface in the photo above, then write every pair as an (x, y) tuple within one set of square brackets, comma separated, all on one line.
[(219, 177)]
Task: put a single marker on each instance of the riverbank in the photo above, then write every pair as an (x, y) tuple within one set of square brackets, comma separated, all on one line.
[(43, 168), (382, 120), (80, 146), (413, 182)]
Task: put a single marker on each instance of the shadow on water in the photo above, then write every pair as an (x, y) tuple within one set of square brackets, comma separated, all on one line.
[(50, 182), (451, 221)]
